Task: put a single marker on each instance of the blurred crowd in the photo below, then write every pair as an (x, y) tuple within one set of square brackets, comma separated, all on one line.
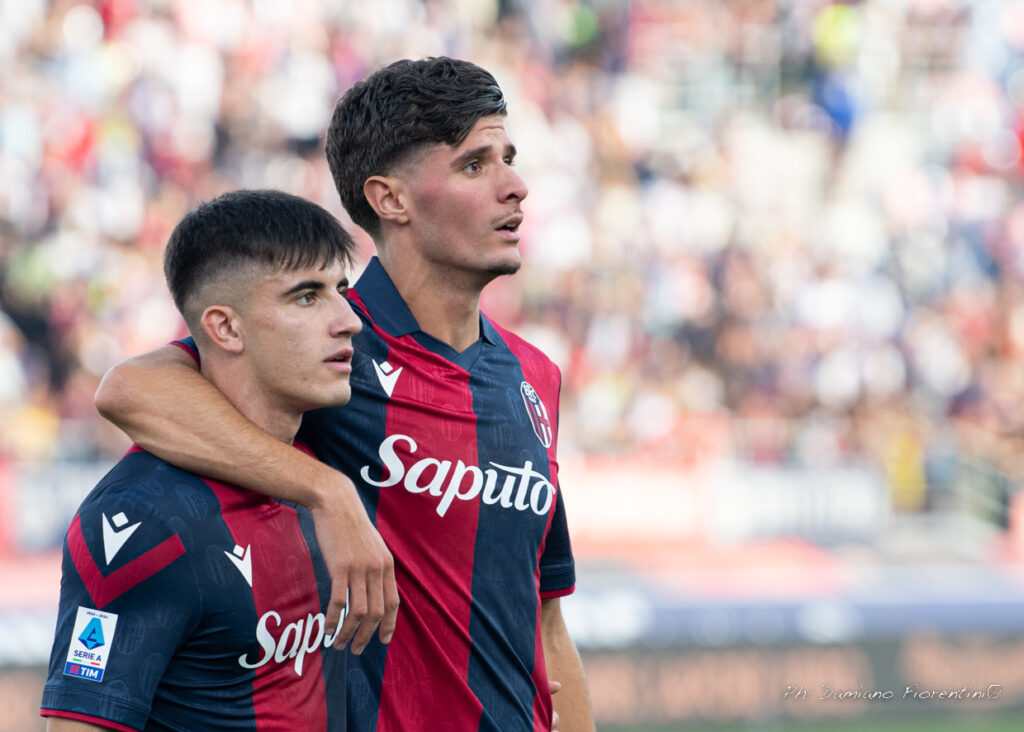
[(788, 231)]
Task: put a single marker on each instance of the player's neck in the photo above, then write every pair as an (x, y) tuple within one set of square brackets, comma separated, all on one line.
[(445, 306), (253, 400)]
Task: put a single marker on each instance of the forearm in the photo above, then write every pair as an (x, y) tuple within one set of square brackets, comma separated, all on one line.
[(572, 702), (167, 407), (145, 396)]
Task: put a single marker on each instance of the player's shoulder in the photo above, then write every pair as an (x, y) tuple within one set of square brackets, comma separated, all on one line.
[(138, 468), (523, 349), (146, 484)]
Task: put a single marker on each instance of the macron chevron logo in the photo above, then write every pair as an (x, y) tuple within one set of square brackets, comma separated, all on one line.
[(387, 375), (116, 534), (242, 559)]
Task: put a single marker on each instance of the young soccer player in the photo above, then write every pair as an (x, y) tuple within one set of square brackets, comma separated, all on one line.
[(451, 434), (191, 604)]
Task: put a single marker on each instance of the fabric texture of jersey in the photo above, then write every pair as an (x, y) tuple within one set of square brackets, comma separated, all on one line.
[(188, 604), (454, 456)]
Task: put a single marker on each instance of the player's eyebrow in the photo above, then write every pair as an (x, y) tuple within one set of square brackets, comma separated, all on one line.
[(313, 286), (479, 152)]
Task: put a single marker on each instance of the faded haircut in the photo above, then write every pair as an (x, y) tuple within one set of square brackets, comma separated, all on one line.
[(240, 229)]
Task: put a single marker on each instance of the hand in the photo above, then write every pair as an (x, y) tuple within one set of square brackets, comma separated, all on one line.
[(362, 574), (554, 686)]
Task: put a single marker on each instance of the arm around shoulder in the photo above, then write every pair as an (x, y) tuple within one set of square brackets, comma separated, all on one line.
[(169, 409), (162, 402), (138, 393)]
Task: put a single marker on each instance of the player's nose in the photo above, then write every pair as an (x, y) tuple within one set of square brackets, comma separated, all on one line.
[(344, 320), (514, 187)]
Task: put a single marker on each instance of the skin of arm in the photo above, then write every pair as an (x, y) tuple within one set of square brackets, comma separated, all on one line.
[(143, 397), (59, 724), (572, 702)]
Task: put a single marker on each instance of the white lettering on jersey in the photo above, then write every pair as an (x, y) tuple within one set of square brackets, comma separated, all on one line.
[(296, 641), (114, 538), (521, 488)]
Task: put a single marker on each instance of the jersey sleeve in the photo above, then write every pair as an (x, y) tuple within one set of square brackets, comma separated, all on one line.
[(557, 566), (128, 598)]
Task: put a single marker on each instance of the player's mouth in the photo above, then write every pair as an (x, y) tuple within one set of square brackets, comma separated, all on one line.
[(340, 361), (509, 227)]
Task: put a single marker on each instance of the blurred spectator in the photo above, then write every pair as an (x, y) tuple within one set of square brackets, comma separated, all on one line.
[(801, 217)]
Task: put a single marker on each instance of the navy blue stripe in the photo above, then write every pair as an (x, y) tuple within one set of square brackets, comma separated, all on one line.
[(333, 663), (347, 438), (503, 620), (164, 499)]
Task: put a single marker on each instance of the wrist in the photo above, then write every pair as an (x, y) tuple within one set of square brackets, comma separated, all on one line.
[(329, 489)]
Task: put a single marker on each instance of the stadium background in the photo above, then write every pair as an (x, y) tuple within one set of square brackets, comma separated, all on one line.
[(775, 246)]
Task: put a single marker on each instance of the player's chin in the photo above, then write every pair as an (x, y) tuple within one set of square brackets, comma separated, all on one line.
[(508, 266), (334, 395)]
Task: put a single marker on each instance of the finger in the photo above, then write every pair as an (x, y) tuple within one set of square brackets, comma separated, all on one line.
[(335, 607), (355, 610), (553, 687), (391, 603), (374, 611)]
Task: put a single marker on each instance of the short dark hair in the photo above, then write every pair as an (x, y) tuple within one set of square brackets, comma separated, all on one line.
[(245, 227), (395, 111)]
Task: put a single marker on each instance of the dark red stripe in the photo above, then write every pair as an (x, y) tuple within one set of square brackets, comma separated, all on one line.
[(551, 594), (283, 580), (430, 648), (103, 589)]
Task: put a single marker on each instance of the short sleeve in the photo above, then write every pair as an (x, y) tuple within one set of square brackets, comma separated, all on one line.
[(557, 566), (128, 598)]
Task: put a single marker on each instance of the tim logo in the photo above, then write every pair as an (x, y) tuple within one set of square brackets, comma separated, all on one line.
[(538, 415)]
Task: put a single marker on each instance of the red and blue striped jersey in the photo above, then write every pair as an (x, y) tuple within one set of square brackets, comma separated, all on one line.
[(188, 604), (454, 456)]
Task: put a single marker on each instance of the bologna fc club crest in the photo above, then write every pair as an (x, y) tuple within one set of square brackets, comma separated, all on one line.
[(538, 414)]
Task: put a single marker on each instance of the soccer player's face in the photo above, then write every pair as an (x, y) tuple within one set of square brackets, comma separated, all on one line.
[(465, 203), (299, 331)]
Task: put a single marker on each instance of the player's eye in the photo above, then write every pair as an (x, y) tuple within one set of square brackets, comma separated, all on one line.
[(473, 167), (306, 298)]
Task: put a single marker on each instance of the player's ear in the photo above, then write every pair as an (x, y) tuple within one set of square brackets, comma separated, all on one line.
[(385, 194), (223, 327)]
